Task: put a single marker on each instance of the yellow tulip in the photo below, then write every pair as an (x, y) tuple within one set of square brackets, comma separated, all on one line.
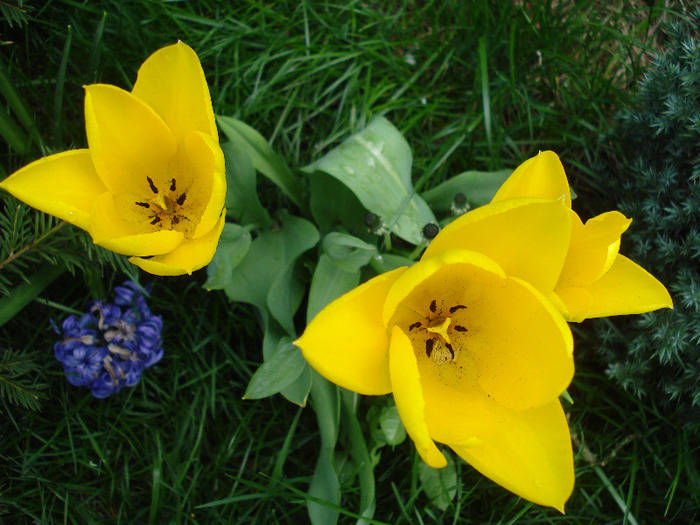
[(474, 354), (594, 280), (151, 183)]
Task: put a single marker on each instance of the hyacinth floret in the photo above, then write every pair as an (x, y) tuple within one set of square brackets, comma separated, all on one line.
[(109, 346)]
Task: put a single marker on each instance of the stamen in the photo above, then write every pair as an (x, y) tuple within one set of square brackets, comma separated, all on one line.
[(452, 352), (143, 204), (415, 325), (150, 183), (155, 220), (433, 306), (181, 199), (458, 307), (460, 328), (429, 347), (172, 184)]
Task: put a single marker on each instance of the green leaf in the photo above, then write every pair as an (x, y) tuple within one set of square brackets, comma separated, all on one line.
[(329, 282), (439, 484), (233, 246), (391, 425), (361, 458), (265, 276), (376, 165), (348, 252), (332, 204), (24, 293), (242, 202), (324, 483), (478, 187), (264, 158), (277, 372), (298, 390)]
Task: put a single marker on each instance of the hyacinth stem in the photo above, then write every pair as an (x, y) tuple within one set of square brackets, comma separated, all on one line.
[(24, 293)]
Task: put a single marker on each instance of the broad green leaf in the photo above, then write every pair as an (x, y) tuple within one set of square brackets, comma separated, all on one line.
[(234, 244), (329, 282), (391, 425), (478, 187), (324, 484), (376, 165), (332, 204), (298, 391), (264, 158), (26, 292), (439, 484), (276, 373), (361, 458), (386, 262), (347, 251), (242, 201), (269, 256)]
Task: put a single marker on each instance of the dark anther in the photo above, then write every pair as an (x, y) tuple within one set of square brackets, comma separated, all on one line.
[(460, 328), (172, 184), (460, 200), (414, 325), (433, 306), (449, 347), (430, 230), (150, 183), (155, 220), (181, 198), (175, 219), (458, 307), (429, 347), (143, 204)]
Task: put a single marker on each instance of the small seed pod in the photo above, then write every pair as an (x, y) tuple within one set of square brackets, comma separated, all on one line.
[(430, 230), (459, 206)]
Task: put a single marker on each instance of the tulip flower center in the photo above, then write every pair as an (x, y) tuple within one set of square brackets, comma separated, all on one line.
[(164, 209), (438, 333)]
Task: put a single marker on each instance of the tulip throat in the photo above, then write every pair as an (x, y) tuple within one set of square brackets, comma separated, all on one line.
[(438, 333), (164, 209)]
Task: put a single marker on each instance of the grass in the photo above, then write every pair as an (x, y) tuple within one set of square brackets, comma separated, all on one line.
[(472, 86)]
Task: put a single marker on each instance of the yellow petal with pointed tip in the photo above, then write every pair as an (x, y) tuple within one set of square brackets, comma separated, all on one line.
[(347, 342), (593, 247), (172, 82), (541, 176), (207, 193), (110, 230), (128, 141), (191, 255), (522, 346), (408, 394), (626, 288), (528, 238), (64, 185), (529, 453)]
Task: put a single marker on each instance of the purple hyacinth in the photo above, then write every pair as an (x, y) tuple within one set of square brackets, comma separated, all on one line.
[(108, 347)]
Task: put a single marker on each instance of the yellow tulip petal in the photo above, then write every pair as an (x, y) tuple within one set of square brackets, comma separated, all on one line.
[(541, 176), (191, 255), (529, 454), (593, 247), (455, 413), (64, 185), (522, 346), (129, 237), (171, 81), (347, 342), (626, 288), (128, 142), (207, 193), (528, 238), (408, 394)]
